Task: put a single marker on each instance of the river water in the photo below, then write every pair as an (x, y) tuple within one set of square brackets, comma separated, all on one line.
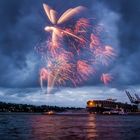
[(69, 127)]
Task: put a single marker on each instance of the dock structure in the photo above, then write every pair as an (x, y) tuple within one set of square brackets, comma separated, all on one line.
[(99, 106)]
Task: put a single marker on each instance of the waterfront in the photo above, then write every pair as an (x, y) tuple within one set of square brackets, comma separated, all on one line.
[(65, 127)]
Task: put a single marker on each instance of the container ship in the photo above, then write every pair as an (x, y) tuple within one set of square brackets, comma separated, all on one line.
[(111, 106)]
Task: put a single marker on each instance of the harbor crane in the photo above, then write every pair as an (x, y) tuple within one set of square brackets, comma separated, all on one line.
[(134, 100)]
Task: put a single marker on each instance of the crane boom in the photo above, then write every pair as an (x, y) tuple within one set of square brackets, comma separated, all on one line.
[(133, 99), (129, 96), (136, 95)]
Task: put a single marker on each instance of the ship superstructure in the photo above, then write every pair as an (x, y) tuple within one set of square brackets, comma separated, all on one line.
[(100, 106)]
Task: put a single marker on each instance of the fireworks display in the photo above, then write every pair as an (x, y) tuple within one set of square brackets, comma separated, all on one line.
[(74, 52)]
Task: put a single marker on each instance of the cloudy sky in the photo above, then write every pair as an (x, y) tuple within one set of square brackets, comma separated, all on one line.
[(22, 28)]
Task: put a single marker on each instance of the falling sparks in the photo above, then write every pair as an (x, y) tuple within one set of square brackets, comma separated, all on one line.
[(72, 54), (104, 54), (106, 78)]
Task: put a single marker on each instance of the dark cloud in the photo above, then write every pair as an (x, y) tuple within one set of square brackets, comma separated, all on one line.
[(21, 28), (128, 68)]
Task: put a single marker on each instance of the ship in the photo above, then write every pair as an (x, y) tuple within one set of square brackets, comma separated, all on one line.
[(111, 106)]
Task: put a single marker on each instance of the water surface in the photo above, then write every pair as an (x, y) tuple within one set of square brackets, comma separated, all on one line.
[(69, 127)]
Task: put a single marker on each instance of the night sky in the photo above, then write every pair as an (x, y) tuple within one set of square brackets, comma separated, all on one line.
[(22, 28)]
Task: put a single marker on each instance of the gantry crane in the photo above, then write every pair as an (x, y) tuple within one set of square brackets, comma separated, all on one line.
[(133, 99)]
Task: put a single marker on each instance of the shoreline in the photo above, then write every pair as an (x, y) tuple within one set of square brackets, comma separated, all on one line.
[(67, 114)]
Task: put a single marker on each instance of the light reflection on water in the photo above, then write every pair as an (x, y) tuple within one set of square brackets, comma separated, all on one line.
[(69, 127), (91, 127)]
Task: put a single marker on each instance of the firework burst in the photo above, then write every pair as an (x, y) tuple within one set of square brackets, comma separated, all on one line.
[(73, 53)]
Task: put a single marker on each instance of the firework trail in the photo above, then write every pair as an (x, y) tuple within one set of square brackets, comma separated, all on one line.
[(57, 32), (43, 76), (84, 54)]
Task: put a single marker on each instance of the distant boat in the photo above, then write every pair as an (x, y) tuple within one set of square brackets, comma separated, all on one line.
[(49, 113)]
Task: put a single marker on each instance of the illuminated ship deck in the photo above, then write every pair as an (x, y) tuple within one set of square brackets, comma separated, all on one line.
[(99, 106)]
